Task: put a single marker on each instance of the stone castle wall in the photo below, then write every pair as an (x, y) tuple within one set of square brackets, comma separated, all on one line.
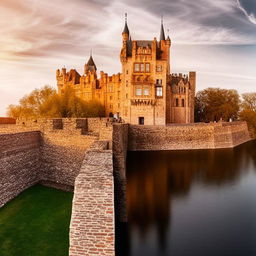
[(91, 154), (92, 228), (55, 157), (63, 151), (189, 136), (19, 163)]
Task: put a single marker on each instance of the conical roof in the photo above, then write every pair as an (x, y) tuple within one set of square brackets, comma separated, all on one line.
[(126, 29), (162, 35), (91, 63)]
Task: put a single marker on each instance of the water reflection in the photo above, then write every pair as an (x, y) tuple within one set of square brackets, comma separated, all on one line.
[(168, 191)]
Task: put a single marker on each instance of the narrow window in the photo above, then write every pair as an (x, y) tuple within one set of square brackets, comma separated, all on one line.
[(142, 67), (146, 91), (159, 91), (177, 102), (147, 67), (158, 68), (126, 95), (136, 67), (183, 103), (141, 120), (138, 91)]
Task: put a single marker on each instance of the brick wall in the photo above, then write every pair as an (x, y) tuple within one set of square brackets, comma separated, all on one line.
[(19, 163), (92, 228), (189, 136)]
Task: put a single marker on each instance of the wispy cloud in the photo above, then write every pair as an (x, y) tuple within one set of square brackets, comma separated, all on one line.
[(38, 37), (249, 9)]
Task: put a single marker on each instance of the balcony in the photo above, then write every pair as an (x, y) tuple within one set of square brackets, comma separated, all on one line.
[(144, 102)]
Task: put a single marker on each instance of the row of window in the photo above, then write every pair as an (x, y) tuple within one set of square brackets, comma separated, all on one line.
[(146, 91), (140, 92), (142, 67), (179, 103)]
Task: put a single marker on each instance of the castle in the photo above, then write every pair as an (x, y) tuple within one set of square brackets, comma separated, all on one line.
[(145, 92)]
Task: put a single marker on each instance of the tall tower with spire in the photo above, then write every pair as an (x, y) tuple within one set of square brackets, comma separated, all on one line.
[(145, 71)]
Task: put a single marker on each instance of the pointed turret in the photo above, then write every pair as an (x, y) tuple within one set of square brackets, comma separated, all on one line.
[(126, 32), (162, 35), (90, 66)]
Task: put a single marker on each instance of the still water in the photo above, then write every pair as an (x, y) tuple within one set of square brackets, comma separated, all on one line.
[(191, 203)]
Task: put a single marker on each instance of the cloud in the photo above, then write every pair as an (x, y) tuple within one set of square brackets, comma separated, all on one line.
[(249, 9), (37, 37)]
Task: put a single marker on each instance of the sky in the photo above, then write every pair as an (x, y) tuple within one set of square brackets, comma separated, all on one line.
[(215, 38)]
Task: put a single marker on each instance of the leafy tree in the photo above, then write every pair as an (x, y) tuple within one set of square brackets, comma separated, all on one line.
[(248, 111), (30, 105), (46, 102), (213, 104)]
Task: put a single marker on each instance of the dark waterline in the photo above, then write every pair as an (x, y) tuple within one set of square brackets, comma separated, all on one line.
[(190, 203)]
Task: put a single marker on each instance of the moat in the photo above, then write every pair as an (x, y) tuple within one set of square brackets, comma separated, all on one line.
[(192, 203)]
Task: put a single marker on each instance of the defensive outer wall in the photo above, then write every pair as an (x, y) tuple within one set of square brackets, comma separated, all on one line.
[(88, 156)]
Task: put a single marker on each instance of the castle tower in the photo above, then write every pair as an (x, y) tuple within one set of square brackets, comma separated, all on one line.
[(90, 66), (145, 92), (126, 32), (145, 69)]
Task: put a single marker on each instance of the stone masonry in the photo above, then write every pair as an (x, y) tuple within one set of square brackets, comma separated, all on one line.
[(19, 163), (89, 155), (92, 228), (186, 137)]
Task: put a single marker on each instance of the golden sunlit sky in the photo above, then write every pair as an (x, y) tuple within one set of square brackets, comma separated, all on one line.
[(215, 38)]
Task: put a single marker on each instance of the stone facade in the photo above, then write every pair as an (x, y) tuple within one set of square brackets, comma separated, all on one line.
[(145, 92)]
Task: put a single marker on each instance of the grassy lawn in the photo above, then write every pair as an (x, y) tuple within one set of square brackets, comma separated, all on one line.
[(36, 223)]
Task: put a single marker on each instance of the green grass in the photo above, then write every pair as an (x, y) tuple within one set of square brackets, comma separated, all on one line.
[(36, 223)]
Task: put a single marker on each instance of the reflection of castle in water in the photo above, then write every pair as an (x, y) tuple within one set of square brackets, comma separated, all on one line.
[(155, 178)]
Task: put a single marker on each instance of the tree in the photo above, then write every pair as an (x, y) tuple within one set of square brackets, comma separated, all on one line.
[(248, 111), (213, 104), (30, 105), (249, 101), (46, 102)]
